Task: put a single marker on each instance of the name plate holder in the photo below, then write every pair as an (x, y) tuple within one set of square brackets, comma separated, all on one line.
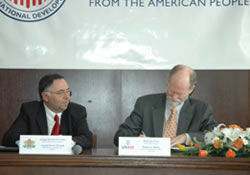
[(144, 146), (44, 144)]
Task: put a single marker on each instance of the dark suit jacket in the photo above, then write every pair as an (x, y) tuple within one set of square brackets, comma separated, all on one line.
[(195, 118), (32, 121)]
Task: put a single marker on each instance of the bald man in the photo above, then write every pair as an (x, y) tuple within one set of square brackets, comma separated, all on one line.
[(152, 112)]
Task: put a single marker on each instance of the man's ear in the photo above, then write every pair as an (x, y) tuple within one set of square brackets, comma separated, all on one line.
[(45, 96), (191, 91)]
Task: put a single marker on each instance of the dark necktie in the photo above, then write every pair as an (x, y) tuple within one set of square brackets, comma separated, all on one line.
[(56, 128)]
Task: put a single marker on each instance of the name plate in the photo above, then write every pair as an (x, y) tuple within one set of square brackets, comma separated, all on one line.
[(43, 144), (144, 146)]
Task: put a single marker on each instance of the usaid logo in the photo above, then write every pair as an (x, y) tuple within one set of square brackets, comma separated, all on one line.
[(30, 10), (128, 145), (131, 147)]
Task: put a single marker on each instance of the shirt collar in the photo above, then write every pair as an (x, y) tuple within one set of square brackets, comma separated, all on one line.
[(51, 113)]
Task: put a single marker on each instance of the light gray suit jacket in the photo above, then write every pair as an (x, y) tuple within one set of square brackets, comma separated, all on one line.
[(195, 118)]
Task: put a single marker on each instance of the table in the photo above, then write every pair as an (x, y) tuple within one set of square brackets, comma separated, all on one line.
[(106, 161)]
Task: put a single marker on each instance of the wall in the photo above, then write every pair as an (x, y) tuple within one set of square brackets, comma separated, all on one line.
[(110, 95)]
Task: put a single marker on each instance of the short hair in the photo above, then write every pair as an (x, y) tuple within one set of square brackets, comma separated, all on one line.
[(192, 76), (46, 81)]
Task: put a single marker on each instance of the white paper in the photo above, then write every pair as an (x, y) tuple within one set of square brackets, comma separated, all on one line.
[(41, 144), (144, 146)]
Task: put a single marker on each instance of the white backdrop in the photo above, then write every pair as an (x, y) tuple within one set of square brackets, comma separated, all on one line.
[(130, 34)]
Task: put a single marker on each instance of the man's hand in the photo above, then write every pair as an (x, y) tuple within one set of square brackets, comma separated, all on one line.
[(180, 139), (142, 134)]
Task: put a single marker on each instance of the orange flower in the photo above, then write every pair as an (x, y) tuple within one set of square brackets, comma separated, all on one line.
[(197, 144), (234, 126), (202, 153), (230, 154), (238, 143), (217, 144)]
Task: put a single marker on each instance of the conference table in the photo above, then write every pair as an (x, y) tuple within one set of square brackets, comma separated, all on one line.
[(102, 161)]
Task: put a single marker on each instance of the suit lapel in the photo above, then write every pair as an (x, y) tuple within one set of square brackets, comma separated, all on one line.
[(158, 117), (42, 120), (64, 123), (185, 117)]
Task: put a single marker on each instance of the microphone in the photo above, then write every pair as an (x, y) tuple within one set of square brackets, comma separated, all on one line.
[(77, 149)]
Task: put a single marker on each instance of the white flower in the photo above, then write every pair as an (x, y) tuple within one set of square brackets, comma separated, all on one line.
[(218, 128), (231, 133), (227, 133), (245, 142), (247, 132), (227, 136), (209, 136), (245, 135)]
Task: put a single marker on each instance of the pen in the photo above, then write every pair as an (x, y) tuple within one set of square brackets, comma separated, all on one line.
[(142, 134)]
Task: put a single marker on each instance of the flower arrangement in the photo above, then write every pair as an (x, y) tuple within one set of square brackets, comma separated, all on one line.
[(229, 141)]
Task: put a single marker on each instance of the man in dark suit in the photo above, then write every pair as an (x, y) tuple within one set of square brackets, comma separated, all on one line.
[(151, 112), (37, 117)]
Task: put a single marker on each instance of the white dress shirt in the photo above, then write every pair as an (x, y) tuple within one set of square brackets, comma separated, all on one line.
[(50, 115)]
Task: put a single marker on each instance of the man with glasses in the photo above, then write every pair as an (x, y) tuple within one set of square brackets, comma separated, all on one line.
[(172, 114), (53, 115)]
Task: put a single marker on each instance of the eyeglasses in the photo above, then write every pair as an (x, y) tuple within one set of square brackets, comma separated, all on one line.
[(61, 92), (174, 93)]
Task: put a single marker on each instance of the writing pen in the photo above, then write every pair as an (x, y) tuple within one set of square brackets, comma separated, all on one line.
[(142, 134)]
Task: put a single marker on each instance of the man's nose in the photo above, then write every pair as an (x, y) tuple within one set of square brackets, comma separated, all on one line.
[(175, 97), (66, 95)]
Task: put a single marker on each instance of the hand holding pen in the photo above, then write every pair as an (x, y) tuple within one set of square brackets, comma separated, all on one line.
[(142, 134)]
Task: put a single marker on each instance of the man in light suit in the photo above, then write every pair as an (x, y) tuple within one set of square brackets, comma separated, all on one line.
[(37, 117), (151, 112)]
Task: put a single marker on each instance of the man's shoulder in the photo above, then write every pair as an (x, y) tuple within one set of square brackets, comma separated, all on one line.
[(152, 98), (197, 102), (75, 106), (75, 110), (32, 104)]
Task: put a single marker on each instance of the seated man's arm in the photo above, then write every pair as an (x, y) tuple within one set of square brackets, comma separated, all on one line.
[(81, 134), (201, 122), (207, 123), (19, 127), (132, 125)]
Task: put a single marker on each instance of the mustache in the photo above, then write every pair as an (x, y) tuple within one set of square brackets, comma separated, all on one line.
[(173, 103)]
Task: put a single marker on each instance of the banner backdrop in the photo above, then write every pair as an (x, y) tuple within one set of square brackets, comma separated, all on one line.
[(124, 34)]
